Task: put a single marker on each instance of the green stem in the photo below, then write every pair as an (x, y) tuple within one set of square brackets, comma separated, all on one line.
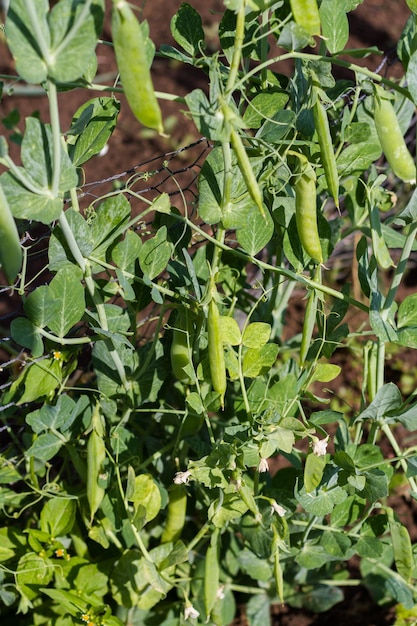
[(336, 61), (56, 138), (400, 269), (237, 49), (64, 341), (390, 436)]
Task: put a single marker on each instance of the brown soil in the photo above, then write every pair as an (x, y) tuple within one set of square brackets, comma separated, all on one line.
[(375, 22)]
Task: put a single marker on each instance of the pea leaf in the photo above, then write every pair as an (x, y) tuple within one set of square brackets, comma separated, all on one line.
[(257, 232), (27, 335), (65, 301), (155, 254), (74, 33), (258, 360), (58, 516), (230, 330), (22, 42), (91, 128), (264, 105), (256, 334), (334, 24), (187, 29)]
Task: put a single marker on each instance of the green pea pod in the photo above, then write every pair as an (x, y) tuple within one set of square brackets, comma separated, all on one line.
[(212, 572), (308, 326), (181, 348), (132, 62), (327, 156), (216, 351), (246, 170), (96, 455), (10, 248), (306, 210), (306, 14), (177, 508), (392, 140)]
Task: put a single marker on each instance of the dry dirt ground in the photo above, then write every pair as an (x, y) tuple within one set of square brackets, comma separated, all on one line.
[(375, 22)]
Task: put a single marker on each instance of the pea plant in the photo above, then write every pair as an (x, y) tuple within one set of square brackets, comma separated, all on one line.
[(170, 452)]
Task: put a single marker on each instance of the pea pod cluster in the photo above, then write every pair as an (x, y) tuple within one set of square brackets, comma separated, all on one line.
[(10, 248), (306, 209), (132, 61), (392, 140)]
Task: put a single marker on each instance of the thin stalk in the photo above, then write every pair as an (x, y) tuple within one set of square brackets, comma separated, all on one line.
[(56, 138), (390, 436), (237, 49), (399, 270)]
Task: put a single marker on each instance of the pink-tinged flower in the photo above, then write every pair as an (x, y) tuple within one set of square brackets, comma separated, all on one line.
[(190, 612), (278, 509), (320, 447), (182, 477)]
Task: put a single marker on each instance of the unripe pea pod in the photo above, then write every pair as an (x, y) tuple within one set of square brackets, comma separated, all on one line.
[(306, 14), (181, 346), (327, 156), (177, 508), (132, 62), (392, 141), (246, 170), (306, 210), (96, 455), (10, 248), (216, 351)]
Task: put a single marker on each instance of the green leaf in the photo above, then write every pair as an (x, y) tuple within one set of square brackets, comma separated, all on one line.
[(74, 35), (55, 417), (313, 471), (91, 128), (407, 312), (259, 360), (58, 516), (22, 40), (37, 157), (204, 115), (146, 494), (27, 205), (37, 380), (387, 399), (334, 25), (126, 252), (232, 508), (262, 106), (27, 335), (59, 253), (66, 301), (256, 334), (256, 568), (108, 223), (275, 129), (325, 372), (187, 29), (257, 232), (323, 501), (230, 330), (155, 254), (45, 447)]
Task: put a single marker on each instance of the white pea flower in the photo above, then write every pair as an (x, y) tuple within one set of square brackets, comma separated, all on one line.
[(220, 593), (263, 466), (190, 612), (320, 446), (278, 509), (182, 477)]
